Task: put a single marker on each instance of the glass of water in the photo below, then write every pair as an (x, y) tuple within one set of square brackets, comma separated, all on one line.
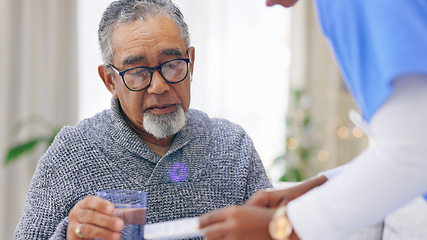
[(131, 207)]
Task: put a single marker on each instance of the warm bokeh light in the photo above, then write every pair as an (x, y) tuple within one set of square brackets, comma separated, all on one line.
[(323, 155), (298, 115), (343, 132), (292, 143), (357, 132)]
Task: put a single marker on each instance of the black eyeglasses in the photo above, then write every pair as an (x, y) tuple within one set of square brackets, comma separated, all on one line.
[(139, 78)]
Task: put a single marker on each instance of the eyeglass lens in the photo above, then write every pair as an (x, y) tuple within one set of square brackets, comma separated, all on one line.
[(172, 71)]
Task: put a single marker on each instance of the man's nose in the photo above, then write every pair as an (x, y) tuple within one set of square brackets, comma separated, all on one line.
[(158, 84)]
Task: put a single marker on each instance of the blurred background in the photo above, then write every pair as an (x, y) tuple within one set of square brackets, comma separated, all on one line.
[(267, 69)]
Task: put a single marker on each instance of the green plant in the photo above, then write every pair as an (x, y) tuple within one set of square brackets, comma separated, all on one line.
[(15, 151), (299, 148)]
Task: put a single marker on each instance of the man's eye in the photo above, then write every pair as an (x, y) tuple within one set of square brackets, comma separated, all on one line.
[(142, 72), (168, 66), (139, 72)]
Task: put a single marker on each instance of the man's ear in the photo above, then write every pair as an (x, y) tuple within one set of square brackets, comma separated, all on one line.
[(191, 55), (108, 79)]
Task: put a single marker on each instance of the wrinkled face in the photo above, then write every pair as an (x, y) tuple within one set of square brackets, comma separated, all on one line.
[(149, 44)]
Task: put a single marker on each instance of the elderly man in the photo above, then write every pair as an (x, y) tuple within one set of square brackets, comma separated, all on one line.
[(149, 140)]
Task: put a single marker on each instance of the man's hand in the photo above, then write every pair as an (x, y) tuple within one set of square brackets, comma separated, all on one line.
[(237, 222), (284, 3), (93, 215)]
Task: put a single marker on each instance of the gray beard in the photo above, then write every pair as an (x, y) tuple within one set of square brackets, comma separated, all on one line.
[(163, 126)]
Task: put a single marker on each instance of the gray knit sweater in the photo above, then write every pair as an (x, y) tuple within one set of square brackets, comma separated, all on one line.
[(212, 163)]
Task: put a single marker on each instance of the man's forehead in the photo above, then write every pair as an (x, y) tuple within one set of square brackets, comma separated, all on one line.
[(175, 52)]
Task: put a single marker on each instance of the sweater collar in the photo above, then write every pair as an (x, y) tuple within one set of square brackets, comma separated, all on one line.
[(127, 138)]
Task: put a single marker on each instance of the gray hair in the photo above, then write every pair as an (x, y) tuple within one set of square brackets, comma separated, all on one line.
[(124, 11)]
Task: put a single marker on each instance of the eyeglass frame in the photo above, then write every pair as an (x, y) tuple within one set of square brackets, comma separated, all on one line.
[(151, 69)]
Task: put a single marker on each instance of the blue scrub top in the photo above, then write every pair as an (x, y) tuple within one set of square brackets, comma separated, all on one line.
[(373, 46)]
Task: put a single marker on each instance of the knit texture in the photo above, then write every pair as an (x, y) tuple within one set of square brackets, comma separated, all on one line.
[(212, 163)]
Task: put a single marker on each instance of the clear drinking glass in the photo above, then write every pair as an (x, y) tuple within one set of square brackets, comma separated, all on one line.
[(131, 207)]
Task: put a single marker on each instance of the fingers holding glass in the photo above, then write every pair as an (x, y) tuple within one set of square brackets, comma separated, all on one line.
[(91, 218)]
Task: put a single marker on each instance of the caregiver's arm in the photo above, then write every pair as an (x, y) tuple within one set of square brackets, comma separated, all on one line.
[(378, 181)]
